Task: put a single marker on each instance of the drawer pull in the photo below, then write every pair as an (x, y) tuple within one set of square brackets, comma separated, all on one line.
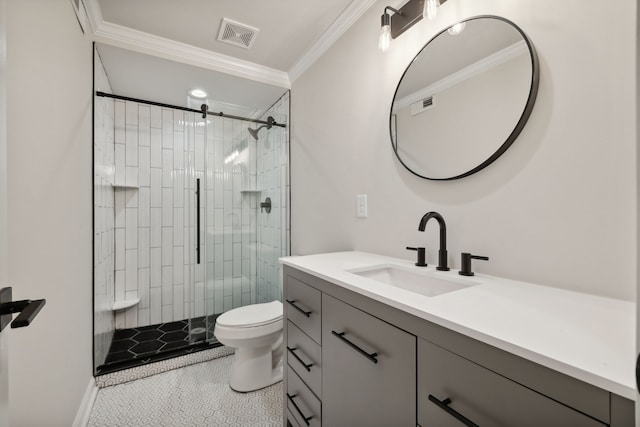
[(371, 356), (294, 305), (444, 405), (305, 418), (307, 366)]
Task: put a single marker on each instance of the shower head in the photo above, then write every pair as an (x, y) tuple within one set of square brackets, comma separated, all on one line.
[(269, 125)]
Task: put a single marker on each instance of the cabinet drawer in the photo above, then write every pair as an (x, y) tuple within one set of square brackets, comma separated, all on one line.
[(482, 396), (301, 402), (368, 369), (303, 307), (304, 356)]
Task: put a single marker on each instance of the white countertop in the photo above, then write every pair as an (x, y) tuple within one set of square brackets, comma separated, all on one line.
[(588, 337)]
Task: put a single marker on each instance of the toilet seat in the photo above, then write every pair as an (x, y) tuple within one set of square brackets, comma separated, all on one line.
[(251, 316)]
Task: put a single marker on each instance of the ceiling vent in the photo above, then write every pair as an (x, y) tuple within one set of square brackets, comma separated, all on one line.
[(422, 105), (237, 34)]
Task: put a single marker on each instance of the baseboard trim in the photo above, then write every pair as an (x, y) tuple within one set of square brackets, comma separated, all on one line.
[(84, 411)]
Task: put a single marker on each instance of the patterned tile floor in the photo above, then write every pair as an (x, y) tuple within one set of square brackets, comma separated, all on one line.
[(196, 395)]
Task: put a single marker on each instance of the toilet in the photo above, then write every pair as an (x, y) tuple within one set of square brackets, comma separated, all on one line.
[(255, 331)]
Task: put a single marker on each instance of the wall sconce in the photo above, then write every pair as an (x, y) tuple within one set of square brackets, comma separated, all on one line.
[(391, 26)]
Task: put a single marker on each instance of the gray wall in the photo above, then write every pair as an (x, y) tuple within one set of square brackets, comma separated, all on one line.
[(49, 202), (558, 209)]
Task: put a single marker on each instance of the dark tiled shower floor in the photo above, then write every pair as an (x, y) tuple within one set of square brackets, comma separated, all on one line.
[(138, 346)]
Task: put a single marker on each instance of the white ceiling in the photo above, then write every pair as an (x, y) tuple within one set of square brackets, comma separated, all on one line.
[(158, 49)]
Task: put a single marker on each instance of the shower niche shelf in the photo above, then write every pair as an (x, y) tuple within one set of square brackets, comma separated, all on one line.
[(124, 186), (250, 190), (124, 304)]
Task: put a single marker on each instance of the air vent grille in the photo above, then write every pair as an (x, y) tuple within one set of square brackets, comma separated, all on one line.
[(423, 105), (237, 34)]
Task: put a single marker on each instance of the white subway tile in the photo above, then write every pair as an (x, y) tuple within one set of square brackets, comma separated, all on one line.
[(131, 175), (131, 230), (167, 168), (167, 246), (155, 307), (120, 163), (131, 317), (120, 285), (219, 262), (228, 303), (178, 302), (143, 287), (144, 206), (167, 207), (178, 189), (132, 113), (143, 317), (156, 117), (155, 272), (132, 145), (131, 270), (119, 208), (156, 228), (237, 260), (178, 150), (120, 320), (218, 296), (144, 253), (156, 188), (131, 197), (178, 226), (178, 265), (119, 122), (144, 166), (144, 123), (167, 128), (167, 313), (119, 249), (156, 148)]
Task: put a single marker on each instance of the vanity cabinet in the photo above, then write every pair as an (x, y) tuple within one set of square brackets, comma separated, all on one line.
[(452, 389), (369, 369), (352, 360)]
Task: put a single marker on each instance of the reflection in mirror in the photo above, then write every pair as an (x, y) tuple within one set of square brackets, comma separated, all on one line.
[(464, 98)]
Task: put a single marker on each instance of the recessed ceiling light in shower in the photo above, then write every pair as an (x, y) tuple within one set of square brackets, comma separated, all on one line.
[(197, 93)]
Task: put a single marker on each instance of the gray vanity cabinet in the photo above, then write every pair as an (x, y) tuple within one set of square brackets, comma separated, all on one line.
[(353, 361), (369, 369), (450, 386)]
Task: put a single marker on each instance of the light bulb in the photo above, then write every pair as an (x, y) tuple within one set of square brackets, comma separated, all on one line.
[(430, 10), (457, 29), (385, 38)]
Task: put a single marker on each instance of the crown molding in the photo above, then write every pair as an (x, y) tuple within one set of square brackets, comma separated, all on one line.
[(472, 70), (351, 14), (117, 35)]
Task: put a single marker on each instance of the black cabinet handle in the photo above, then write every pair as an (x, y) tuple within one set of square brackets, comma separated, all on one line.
[(444, 405), (304, 417), (294, 305), (307, 366), (370, 356)]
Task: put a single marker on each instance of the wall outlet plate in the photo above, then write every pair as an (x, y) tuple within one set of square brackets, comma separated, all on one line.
[(361, 206)]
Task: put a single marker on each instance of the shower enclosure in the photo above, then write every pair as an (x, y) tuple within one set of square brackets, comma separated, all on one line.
[(190, 217)]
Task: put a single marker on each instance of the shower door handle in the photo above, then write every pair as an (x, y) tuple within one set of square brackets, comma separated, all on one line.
[(198, 220)]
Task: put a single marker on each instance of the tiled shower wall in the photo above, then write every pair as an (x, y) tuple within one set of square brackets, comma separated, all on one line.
[(147, 161), (104, 255), (153, 209), (273, 180)]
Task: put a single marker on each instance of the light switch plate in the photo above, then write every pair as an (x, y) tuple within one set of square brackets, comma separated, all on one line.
[(361, 206)]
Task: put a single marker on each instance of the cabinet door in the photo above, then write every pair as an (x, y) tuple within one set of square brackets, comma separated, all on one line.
[(369, 369), (450, 387)]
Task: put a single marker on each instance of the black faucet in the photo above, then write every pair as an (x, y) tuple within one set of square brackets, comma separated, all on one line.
[(442, 252)]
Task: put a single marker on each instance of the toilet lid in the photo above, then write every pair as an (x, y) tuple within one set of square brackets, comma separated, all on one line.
[(252, 315)]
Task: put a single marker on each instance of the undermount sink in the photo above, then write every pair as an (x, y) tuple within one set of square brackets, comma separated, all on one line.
[(421, 282)]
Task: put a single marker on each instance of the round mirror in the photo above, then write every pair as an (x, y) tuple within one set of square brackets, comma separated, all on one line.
[(464, 98)]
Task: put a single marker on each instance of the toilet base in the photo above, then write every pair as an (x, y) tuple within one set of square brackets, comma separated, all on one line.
[(253, 369)]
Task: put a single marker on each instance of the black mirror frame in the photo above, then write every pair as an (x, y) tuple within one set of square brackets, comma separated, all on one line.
[(533, 93)]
